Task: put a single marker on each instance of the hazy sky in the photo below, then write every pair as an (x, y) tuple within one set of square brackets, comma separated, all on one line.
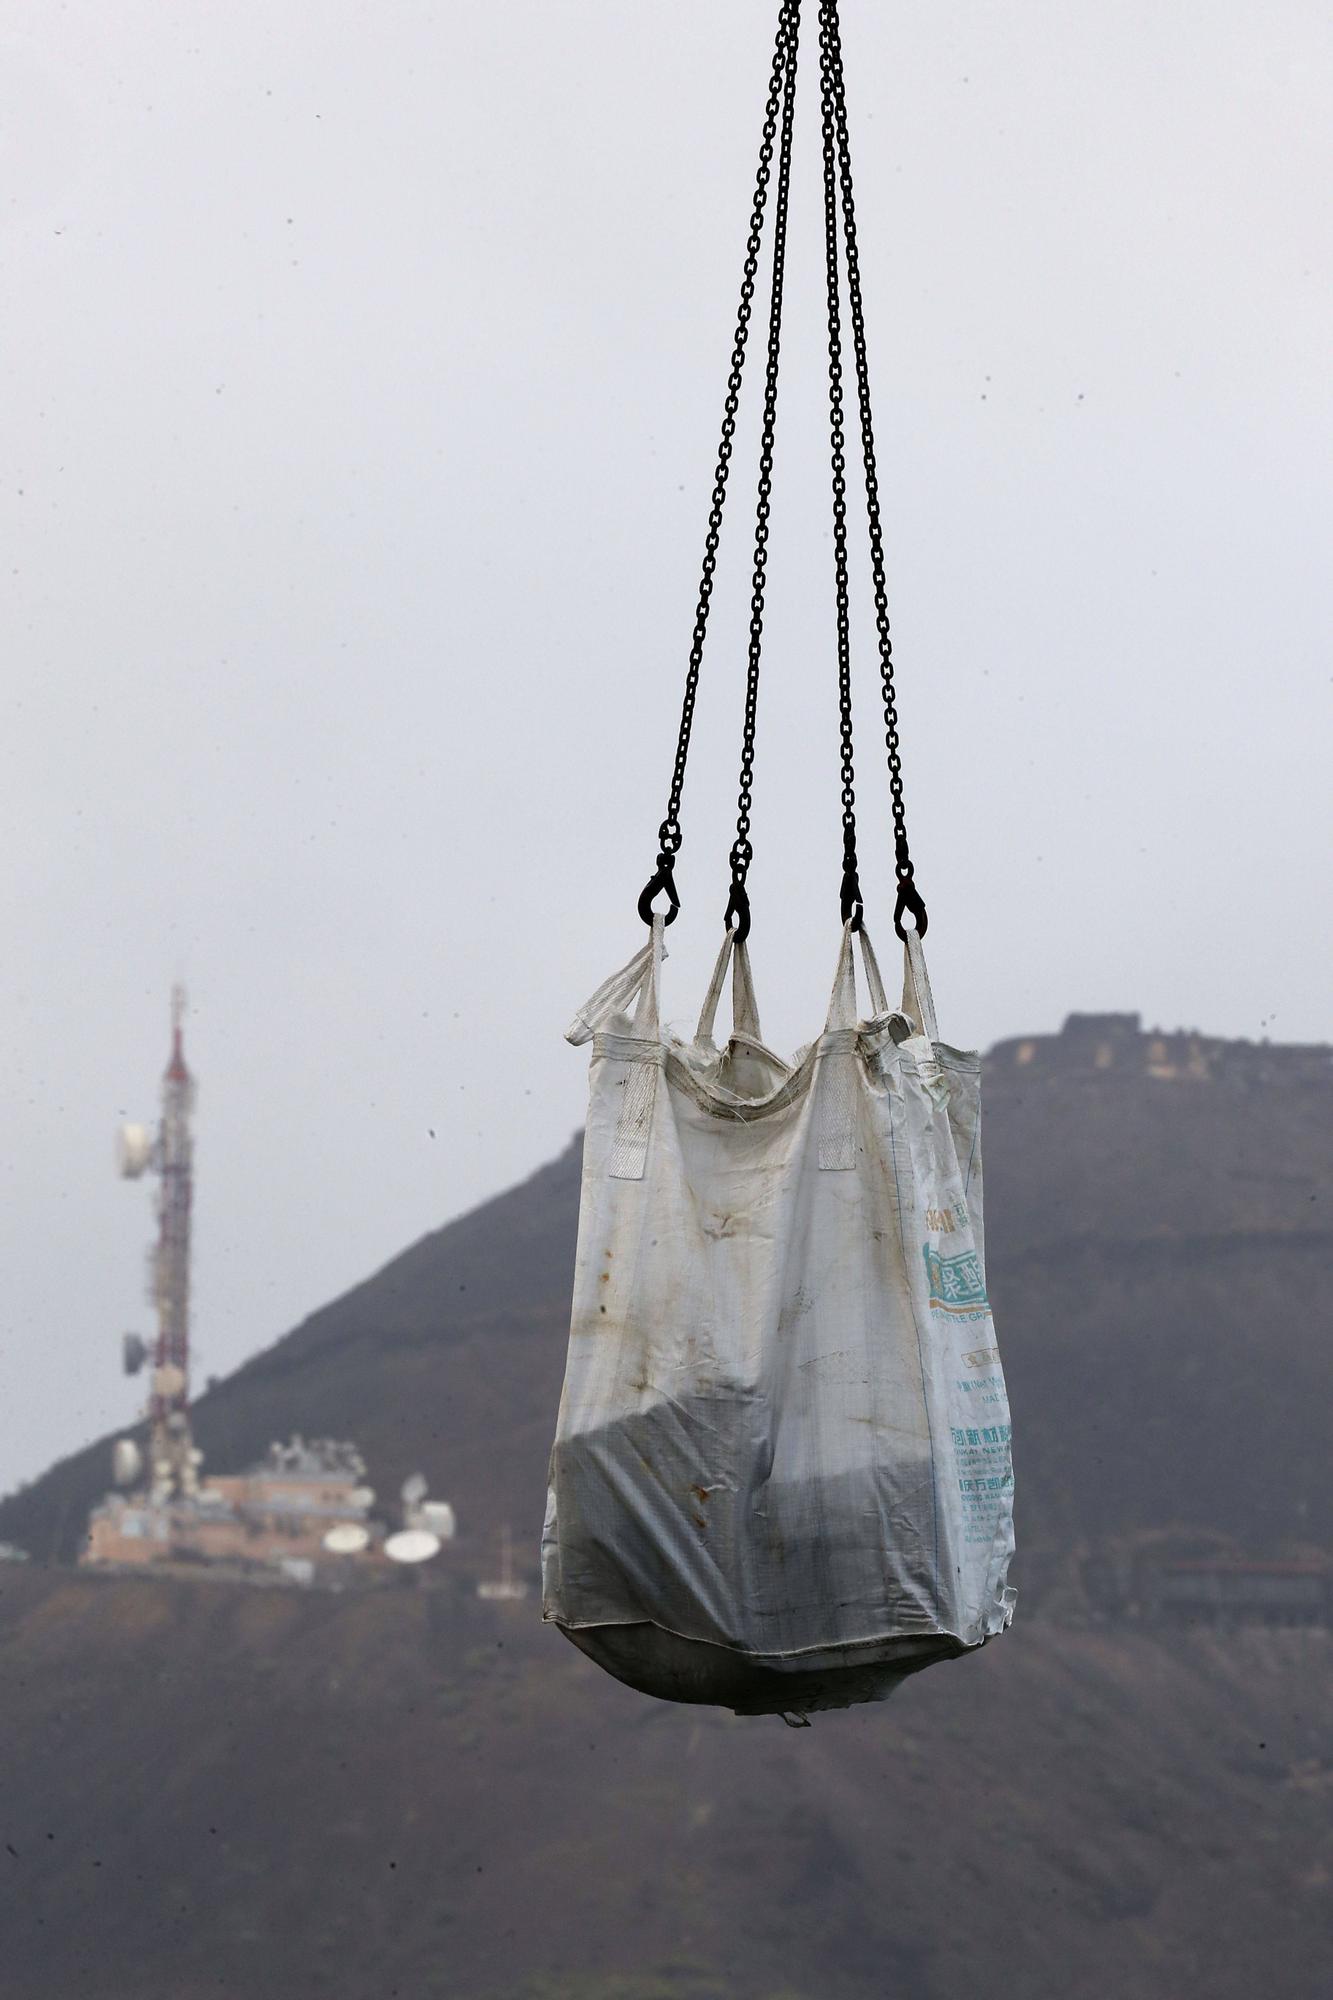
[(362, 373)]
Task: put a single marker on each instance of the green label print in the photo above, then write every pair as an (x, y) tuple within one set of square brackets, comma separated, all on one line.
[(956, 1284)]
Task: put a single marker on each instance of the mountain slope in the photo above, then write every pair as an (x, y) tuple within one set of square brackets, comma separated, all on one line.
[(211, 1789), (217, 1790), (1158, 1256)]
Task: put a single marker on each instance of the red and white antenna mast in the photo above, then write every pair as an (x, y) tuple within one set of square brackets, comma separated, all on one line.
[(173, 1461), (171, 1270)]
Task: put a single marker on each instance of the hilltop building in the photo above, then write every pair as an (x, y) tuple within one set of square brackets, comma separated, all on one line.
[(273, 1519), (1118, 1043)]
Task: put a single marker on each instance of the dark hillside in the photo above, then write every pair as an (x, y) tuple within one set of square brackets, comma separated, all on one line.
[(264, 1794), (216, 1790)]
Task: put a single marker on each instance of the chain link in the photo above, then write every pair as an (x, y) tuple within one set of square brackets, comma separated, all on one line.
[(839, 206), (909, 897), (742, 853), (669, 833), (851, 891)]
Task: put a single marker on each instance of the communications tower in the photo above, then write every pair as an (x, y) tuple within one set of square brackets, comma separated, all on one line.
[(173, 1462)]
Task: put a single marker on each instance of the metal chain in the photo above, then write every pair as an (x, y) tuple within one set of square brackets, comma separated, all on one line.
[(742, 853), (838, 196), (851, 888), (669, 834), (909, 897)]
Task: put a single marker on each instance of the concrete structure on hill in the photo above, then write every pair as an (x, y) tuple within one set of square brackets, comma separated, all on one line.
[(1236, 1593), (1182, 1577), (303, 1517), (1119, 1044), (274, 1519)]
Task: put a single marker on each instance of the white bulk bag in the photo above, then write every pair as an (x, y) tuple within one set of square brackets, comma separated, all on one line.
[(781, 1477)]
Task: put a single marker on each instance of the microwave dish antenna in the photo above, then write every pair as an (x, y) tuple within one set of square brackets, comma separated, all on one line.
[(412, 1545), (348, 1538)]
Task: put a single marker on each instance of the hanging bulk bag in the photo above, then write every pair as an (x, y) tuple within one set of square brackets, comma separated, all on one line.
[(781, 1476)]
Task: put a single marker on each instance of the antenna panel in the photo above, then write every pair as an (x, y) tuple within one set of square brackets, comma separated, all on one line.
[(134, 1151)]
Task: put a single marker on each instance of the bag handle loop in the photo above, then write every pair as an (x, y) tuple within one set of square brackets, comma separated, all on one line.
[(842, 1011), (918, 1000), (624, 989), (744, 1007)]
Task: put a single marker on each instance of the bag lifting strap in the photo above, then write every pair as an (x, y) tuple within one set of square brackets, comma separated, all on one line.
[(840, 248)]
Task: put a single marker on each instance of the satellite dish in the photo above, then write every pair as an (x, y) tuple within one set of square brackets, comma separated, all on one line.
[(412, 1545), (168, 1380), (126, 1461), (415, 1489), (133, 1352), (134, 1150), (347, 1539), (437, 1517), (362, 1497)]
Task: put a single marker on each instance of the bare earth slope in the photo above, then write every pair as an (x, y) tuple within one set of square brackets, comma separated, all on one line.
[(221, 1791)]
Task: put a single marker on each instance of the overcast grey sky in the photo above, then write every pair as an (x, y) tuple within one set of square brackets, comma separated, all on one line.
[(362, 372)]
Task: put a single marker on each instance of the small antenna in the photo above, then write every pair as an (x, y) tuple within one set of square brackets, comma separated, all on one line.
[(506, 1588)]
